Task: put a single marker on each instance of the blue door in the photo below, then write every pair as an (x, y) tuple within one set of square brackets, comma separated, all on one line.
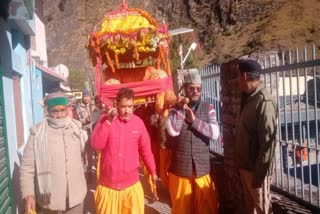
[(6, 197)]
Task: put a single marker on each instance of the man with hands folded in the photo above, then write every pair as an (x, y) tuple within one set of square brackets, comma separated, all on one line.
[(191, 125)]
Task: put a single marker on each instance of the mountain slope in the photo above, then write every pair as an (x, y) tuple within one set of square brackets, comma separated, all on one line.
[(225, 29)]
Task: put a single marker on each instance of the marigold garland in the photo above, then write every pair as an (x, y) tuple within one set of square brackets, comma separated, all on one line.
[(130, 35), (158, 62), (162, 58), (109, 62), (136, 53), (116, 59), (168, 65)]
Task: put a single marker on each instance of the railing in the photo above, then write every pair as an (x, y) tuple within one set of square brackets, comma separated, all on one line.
[(292, 79), (211, 93)]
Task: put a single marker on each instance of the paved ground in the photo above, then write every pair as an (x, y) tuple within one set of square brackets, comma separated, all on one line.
[(281, 204)]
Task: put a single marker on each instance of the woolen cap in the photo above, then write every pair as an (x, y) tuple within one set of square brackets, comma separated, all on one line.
[(85, 93), (194, 78), (250, 66), (56, 99)]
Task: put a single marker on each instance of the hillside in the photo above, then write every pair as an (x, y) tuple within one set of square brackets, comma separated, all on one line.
[(225, 29)]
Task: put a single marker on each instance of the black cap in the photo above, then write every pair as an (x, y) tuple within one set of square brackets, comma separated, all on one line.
[(250, 66)]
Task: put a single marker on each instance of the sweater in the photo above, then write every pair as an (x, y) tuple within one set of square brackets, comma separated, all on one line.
[(66, 169), (121, 144)]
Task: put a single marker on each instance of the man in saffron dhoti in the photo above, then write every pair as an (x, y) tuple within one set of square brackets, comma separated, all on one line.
[(52, 173), (121, 141), (191, 124)]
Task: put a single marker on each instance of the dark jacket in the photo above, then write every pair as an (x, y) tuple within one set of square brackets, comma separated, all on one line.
[(190, 148)]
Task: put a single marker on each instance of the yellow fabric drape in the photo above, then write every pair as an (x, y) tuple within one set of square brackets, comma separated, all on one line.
[(31, 212), (149, 179), (165, 160), (192, 196), (126, 201)]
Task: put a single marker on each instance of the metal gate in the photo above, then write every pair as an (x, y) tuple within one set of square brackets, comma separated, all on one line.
[(293, 79), (211, 93), (6, 202)]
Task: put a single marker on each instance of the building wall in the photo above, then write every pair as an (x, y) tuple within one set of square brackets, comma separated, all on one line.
[(37, 94), (15, 43), (16, 63), (20, 46), (284, 85), (6, 62), (39, 48), (12, 140)]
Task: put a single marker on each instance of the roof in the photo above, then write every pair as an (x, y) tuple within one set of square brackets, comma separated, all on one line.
[(50, 74), (295, 111)]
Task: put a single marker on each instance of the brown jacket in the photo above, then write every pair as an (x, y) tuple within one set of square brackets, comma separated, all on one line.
[(67, 173), (84, 111)]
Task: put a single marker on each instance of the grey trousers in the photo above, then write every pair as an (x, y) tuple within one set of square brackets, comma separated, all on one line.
[(74, 210), (257, 200)]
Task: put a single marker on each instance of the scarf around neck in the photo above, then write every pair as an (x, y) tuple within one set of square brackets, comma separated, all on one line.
[(42, 158)]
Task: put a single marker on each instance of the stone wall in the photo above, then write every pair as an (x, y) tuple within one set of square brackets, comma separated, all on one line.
[(230, 190)]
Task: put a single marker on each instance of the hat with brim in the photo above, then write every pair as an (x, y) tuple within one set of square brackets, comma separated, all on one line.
[(56, 99)]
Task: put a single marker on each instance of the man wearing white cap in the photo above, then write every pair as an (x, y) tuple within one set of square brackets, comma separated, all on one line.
[(191, 124), (51, 173)]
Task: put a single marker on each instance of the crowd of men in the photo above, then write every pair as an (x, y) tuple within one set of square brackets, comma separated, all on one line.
[(63, 148)]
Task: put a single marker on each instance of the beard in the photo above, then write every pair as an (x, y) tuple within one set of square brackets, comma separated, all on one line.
[(194, 99)]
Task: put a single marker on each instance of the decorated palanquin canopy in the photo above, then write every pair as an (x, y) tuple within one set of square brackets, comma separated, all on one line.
[(130, 49)]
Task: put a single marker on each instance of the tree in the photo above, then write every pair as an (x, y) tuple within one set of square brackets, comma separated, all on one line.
[(77, 79)]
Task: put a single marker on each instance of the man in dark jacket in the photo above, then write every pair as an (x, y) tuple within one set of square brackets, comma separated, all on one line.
[(191, 124), (255, 137)]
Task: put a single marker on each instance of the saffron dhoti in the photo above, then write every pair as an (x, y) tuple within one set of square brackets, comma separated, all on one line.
[(193, 195), (126, 201), (165, 160)]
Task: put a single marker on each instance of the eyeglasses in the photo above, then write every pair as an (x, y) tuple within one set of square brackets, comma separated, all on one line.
[(192, 88)]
